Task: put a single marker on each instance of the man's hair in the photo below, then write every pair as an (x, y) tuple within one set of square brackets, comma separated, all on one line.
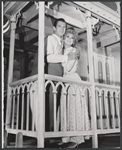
[(57, 20)]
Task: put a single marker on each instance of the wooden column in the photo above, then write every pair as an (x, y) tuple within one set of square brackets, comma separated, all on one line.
[(19, 140), (10, 69), (41, 79), (5, 141), (91, 77)]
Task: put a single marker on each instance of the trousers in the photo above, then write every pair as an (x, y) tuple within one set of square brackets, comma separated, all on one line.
[(57, 70)]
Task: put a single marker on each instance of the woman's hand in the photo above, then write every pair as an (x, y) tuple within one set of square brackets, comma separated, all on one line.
[(73, 56), (77, 53), (59, 49)]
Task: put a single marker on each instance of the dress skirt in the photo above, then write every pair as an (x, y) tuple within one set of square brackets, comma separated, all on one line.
[(76, 112)]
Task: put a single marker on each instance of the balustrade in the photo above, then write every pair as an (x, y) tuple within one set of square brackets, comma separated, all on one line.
[(107, 106), (23, 99)]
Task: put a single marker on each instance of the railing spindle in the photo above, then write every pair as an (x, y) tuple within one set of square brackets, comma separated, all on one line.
[(83, 105), (55, 100), (32, 109), (106, 108), (74, 95), (119, 102), (13, 109), (97, 106), (68, 103), (118, 112), (27, 119), (112, 110), (64, 108), (35, 104), (22, 113), (83, 98), (64, 96), (100, 106), (18, 95)]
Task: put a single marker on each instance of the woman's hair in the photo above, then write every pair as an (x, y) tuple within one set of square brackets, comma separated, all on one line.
[(71, 31)]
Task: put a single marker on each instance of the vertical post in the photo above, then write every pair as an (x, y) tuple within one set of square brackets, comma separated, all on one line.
[(5, 139), (10, 69), (19, 140), (91, 77), (41, 81)]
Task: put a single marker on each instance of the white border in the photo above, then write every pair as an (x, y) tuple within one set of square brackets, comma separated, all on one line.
[(2, 80)]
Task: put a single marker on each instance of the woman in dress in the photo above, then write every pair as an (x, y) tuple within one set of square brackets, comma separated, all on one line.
[(75, 112)]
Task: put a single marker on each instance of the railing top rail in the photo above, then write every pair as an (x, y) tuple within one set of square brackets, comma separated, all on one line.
[(48, 77), (62, 79), (23, 81), (107, 86)]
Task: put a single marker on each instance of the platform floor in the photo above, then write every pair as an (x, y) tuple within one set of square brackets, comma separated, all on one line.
[(103, 142)]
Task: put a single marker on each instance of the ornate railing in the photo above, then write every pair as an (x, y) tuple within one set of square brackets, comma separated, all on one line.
[(24, 103), (107, 108), (84, 90), (23, 108)]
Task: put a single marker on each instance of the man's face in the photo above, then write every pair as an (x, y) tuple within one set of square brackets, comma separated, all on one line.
[(60, 28)]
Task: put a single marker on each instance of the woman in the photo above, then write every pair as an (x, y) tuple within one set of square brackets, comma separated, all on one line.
[(75, 112)]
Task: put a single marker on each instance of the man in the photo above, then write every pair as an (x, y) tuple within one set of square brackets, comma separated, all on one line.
[(54, 58)]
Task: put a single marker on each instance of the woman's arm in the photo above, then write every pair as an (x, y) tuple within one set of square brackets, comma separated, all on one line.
[(70, 64)]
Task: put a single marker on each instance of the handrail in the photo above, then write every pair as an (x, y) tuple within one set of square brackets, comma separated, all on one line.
[(107, 86), (25, 80), (48, 77), (62, 79)]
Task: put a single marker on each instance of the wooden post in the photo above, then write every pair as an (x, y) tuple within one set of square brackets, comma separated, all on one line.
[(41, 79), (19, 140), (91, 78), (5, 139), (10, 69)]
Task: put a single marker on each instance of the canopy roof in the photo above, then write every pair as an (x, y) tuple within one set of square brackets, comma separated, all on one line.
[(72, 12), (111, 5), (109, 8)]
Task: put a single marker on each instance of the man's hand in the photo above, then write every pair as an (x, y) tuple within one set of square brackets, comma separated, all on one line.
[(73, 56), (59, 49)]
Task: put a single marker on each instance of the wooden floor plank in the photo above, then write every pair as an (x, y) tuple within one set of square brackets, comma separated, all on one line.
[(103, 142)]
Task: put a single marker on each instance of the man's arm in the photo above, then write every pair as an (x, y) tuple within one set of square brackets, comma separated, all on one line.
[(52, 56)]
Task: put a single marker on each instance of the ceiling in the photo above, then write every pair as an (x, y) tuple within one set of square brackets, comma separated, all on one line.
[(29, 24)]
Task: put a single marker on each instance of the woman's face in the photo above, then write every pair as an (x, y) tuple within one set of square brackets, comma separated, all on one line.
[(69, 39)]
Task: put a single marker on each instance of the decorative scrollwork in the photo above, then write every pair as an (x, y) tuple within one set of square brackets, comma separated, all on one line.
[(117, 33), (37, 5), (118, 7)]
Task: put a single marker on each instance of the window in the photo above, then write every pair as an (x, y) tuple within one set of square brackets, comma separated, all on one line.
[(100, 72), (107, 73)]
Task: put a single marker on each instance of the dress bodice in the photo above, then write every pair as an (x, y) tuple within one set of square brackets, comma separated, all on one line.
[(71, 65)]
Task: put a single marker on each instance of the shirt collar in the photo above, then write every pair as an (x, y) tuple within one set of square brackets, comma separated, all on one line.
[(58, 38)]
